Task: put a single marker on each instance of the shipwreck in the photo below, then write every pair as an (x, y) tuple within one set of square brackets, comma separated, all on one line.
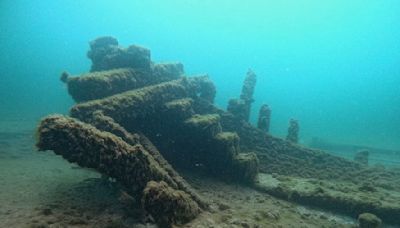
[(136, 121)]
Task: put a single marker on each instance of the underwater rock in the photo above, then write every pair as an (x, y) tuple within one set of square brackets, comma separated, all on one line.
[(368, 220), (264, 118), (242, 107), (167, 205), (362, 157), (106, 55), (293, 131)]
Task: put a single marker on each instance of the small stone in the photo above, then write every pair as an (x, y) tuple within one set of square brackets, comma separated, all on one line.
[(77, 221), (223, 206), (368, 220), (270, 214), (322, 216), (260, 200), (47, 211)]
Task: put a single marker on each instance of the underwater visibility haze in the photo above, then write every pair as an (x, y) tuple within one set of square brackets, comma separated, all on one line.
[(168, 118)]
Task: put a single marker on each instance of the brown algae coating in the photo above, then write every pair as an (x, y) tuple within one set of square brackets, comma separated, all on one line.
[(293, 131), (128, 110), (89, 147), (158, 100), (167, 71), (264, 118), (249, 85), (368, 220), (101, 84), (132, 165), (178, 109), (241, 107), (131, 104), (238, 107), (179, 180), (106, 54), (106, 123), (243, 167), (280, 156), (220, 150), (246, 165), (204, 124), (96, 85), (179, 209), (342, 197)]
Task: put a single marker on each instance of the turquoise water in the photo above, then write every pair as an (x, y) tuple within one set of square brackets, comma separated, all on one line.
[(333, 65)]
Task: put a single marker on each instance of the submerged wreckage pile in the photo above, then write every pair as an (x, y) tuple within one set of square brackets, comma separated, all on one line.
[(128, 109), (135, 120)]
